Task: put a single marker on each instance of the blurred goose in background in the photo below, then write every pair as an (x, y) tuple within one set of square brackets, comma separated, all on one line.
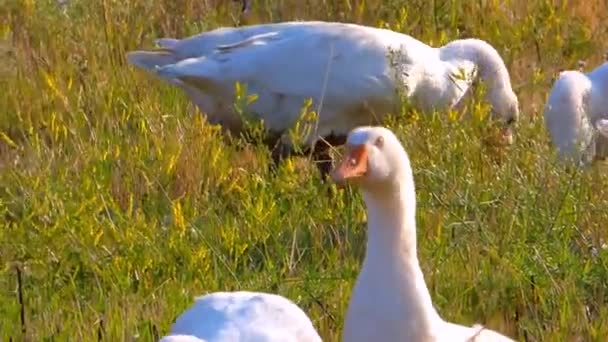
[(575, 115), (390, 300), (242, 317), (351, 72)]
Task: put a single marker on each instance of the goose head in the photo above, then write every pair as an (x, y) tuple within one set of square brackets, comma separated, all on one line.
[(505, 107), (374, 160)]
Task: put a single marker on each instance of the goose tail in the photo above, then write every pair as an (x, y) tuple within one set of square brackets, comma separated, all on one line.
[(151, 59), (167, 43), (200, 68)]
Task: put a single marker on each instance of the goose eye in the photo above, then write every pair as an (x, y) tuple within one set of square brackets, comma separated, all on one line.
[(379, 142)]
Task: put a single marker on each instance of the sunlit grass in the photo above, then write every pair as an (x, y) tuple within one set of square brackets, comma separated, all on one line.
[(120, 204)]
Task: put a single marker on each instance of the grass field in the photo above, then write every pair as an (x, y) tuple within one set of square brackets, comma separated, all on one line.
[(119, 205)]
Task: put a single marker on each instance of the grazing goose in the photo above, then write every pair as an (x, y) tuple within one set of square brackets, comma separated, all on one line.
[(243, 317), (351, 72), (576, 105), (390, 300)]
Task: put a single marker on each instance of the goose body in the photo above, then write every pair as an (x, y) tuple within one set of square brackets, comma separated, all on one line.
[(576, 105), (346, 69), (390, 300), (243, 316)]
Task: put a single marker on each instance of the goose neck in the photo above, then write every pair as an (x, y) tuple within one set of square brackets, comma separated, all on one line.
[(391, 255), (490, 65), (392, 221)]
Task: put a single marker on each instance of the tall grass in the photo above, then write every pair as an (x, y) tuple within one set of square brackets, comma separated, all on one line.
[(119, 204)]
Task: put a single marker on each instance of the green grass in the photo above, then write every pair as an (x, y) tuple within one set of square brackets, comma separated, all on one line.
[(120, 206)]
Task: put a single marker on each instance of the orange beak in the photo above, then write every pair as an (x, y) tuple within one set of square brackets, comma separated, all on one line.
[(354, 165)]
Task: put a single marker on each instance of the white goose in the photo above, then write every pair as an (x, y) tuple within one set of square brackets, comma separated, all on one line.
[(346, 69), (243, 317), (602, 127), (573, 115), (390, 300)]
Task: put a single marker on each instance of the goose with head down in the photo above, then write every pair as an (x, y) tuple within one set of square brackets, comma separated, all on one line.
[(351, 72), (390, 300)]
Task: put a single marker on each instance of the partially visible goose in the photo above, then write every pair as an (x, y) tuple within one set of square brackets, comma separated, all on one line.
[(390, 300), (243, 316), (350, 71), (602, 127), (576, 105), (181, 338)]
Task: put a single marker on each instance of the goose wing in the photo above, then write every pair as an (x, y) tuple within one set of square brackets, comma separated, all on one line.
[(342, 67)]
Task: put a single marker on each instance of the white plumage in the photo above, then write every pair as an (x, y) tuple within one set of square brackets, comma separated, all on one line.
[(181, 338), (573, 114), (390, 300), (243, 317), (355, 70)]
